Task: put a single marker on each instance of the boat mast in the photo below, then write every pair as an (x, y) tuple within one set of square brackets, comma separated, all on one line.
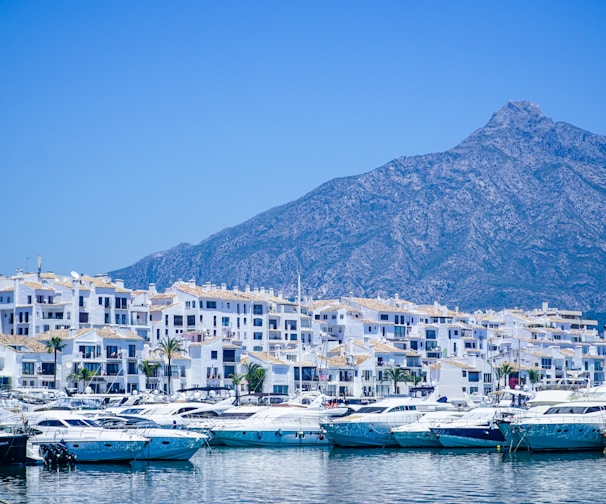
[(299, 332)]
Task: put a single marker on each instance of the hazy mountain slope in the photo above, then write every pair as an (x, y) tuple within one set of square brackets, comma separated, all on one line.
[(514, 215)]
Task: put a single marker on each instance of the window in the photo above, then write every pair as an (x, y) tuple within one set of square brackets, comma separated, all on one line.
[(113, 369), (257, 349), (132, 368), (178, 320), (258, 336), (81, 301), (258, 322), (384, 316), (111, 352), (132, 351), (257, 309), (430, 334), (211, 304), (213, 354), (191, 320), (399, 331), (474, 376), (225, 321), (28, 368)]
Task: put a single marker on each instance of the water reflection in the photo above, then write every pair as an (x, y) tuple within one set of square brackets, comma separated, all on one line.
[(320, 475)]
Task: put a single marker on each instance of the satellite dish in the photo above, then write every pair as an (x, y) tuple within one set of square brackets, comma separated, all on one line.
[(75, 275)]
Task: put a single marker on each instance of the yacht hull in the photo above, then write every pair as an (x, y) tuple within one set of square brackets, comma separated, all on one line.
[(13, 449), (469, 437)]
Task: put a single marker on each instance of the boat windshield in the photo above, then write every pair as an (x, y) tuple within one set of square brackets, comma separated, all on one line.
[(574, 410), (371, 409), (77, 422)]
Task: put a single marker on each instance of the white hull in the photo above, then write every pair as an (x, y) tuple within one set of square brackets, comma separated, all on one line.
[(273, 438), (166, 444), (558, 436), (417, 439), (96, 450)]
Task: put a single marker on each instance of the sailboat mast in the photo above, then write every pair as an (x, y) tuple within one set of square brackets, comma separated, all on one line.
[(299, 332)]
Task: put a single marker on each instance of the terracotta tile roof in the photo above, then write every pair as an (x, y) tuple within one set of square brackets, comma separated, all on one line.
[(28, 344)]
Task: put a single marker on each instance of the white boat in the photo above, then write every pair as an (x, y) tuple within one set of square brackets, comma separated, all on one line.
[(205, 421), (573, 425), (294, 423), (418, 434), (82, 438), (164, 444), (371, 425)]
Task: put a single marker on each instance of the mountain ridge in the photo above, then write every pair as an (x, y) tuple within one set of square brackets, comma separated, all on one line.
[(511, 216)]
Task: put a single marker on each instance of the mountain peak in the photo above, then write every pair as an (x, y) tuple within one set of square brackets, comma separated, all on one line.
[(515, 125), (517, 114), (514, 216)]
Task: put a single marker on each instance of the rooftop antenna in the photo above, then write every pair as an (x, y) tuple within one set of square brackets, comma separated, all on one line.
[(39, 266)]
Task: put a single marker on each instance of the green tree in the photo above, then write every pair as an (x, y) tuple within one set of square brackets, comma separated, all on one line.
[(83, 375), (149, 370), (55, 344), (503, 371), (170, 347), (533, 377), (236, 379), (396, 375), (255, 376)]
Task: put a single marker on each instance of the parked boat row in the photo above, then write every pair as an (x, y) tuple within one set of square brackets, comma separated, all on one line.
[(176, 431), (48, 435)]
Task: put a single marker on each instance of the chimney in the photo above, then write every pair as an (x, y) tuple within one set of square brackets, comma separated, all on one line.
[(152, 289)]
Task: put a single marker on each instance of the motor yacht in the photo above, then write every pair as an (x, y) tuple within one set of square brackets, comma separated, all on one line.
[(418, 434), (572, 425), (164, 444), (371, 426), (83, 438)]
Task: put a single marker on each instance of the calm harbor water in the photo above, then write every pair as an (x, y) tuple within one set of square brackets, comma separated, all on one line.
[(330, 475)]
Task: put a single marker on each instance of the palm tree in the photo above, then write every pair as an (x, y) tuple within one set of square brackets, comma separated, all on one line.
[(236, 379), (170, 347), (148, 369), (503, 371), (83, 375), (533, 377), (255, 376), (396, 375), (55, 344)]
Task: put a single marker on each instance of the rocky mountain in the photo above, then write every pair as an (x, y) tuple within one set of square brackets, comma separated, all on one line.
[(512, 216)]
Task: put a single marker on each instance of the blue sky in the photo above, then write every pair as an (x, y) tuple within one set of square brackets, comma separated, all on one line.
[(127, 127)]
